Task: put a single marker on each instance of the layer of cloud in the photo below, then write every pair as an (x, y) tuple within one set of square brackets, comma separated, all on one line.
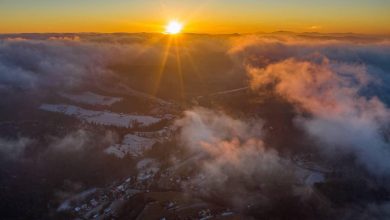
[(13, 149), (30, 64), (74, 142), (233, 160), (71, 61), (80, 140), (330, 87)]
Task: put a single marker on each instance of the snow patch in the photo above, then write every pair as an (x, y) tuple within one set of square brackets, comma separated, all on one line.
[(131, 145)]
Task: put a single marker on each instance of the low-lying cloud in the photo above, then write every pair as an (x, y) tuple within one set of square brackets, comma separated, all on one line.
[(341, 119), (234, 162), (70, 61), (74, 142), (31, 64), (13, 149)]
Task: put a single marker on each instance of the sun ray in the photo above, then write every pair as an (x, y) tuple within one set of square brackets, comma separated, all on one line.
[(192, 62), (179, 69), (162, 65)]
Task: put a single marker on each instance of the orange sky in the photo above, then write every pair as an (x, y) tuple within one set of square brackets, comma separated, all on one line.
[(201, 16)]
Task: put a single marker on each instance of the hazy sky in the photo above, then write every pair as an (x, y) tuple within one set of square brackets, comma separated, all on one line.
[(208, 16)]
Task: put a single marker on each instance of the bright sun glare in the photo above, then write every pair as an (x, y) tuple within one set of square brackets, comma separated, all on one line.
[(173, 27)]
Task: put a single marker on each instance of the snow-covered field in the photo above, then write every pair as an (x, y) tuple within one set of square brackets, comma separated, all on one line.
[(91, 98), (101, 117), (131, 145)]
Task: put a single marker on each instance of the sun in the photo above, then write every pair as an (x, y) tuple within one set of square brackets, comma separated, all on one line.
[(173, 27)]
